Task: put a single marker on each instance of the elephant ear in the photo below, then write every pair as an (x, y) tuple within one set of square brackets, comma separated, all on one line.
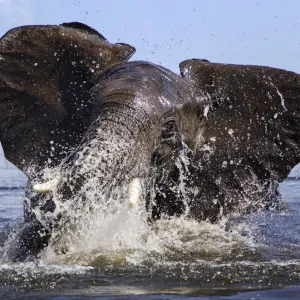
[(46, 73), (250, 125)]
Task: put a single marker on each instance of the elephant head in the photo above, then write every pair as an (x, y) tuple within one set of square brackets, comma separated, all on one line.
[(210, 142)]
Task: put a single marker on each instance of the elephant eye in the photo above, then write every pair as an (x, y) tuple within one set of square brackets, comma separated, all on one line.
[(169, 127), (169, 130)]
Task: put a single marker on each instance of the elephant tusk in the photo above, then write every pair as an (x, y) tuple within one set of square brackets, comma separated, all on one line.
[(134, 192), (47, 186)]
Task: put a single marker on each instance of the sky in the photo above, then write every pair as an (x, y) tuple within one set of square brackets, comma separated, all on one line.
[(167, 32)]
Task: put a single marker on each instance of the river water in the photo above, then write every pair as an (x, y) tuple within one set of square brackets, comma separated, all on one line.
[(252, 257)]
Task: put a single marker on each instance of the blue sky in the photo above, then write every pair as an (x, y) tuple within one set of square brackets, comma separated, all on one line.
[(169, 31)]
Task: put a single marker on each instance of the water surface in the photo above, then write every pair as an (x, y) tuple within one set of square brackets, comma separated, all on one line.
[(252, 257)]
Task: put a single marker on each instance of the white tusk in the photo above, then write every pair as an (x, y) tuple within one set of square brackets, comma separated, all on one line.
[(46, 187), (134, 192)]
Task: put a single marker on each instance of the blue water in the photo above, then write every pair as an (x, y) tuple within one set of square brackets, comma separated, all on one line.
[(254, 257)]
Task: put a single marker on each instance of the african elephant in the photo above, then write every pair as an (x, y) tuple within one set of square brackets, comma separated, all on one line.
[(214, 141)]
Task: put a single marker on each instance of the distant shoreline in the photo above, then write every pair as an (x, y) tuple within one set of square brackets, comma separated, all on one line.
[(2, 188)]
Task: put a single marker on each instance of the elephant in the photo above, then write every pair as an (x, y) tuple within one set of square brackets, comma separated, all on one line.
[(214, 141)]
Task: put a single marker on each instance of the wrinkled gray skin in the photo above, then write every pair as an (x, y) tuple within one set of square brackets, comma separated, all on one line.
[(233, 131)]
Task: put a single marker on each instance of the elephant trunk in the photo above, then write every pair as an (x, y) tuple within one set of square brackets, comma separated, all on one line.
[(126, 122), (116, 149), (105, 176)]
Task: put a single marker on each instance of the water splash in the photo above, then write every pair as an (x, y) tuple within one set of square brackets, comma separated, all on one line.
[(96, 225)]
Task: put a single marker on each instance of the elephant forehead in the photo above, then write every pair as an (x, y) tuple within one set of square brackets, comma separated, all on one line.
[(145, 82)]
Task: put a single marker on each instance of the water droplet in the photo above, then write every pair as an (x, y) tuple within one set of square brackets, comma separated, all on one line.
[(230, 131)]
